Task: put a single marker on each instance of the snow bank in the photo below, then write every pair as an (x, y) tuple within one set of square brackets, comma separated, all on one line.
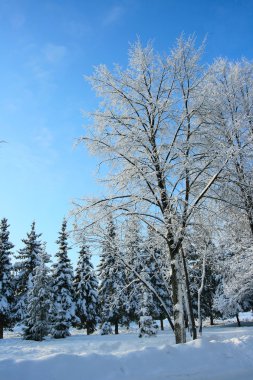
[(223, 354)]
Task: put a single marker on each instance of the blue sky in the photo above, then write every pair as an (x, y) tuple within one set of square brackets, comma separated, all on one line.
[(46, 47)]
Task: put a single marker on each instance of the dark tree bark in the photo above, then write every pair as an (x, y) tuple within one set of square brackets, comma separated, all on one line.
[(189, 299), (1, 326), (116, 328), (238, 320), (186, 321), (179, 328), (89, 327)]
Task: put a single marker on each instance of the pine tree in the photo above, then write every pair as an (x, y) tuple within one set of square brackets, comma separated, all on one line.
[(6, 280), (133, 245), (112, 281), (211, 284), (146, 301), (64, 306), (86, 291), (106, 328), (39, 303), (27, 260), (158, 271)]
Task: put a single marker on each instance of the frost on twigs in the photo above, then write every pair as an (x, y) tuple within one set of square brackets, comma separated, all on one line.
[(169, 133)]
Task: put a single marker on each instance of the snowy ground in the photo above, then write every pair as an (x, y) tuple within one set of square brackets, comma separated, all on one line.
[(224, 353)]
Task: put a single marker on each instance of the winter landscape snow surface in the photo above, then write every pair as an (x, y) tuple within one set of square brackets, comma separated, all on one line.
[(223, 353)]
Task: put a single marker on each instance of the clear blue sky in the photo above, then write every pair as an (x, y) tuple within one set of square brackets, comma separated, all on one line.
[(46, 46)]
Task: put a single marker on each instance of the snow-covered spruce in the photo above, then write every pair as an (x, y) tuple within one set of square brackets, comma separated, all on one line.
[(63, 306), (147, 326), (86, 291), (157, 265), (6, 278), (39, 304), (28, 258), (132, 248), (106, 328), (112, 296)]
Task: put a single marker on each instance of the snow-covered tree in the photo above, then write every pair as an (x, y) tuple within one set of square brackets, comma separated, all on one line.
[(6, 277), (111, 271), (27, 261), (151, 131), (62, 278), (230, 103), (147, 326), (146, 301), (211, 283), (39, 303), (158, 268), (132, 252), (200, 257), (106, 328), (234, 293), (86, 290)]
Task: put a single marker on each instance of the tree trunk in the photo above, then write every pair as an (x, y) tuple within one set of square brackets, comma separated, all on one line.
[(211, 319), (199, 316), (238, 320), (200, 291), (88, 328), (1, 326), (178, 311), (186, 321), (161, 323), (188, 300), (116, 329)]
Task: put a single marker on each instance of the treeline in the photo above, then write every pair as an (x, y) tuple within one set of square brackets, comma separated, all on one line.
[(131, 284)]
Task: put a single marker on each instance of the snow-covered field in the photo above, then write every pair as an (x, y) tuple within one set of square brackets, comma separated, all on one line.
[(224, 353)]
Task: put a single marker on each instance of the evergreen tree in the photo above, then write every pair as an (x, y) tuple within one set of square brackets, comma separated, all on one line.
[(64, 306), (133, 255), (147, 327), (28, 259), (112, 280), (6, 280), (106, 329), (146, 301), (39, 303), (86, 291), (158, 273), (211, 284)]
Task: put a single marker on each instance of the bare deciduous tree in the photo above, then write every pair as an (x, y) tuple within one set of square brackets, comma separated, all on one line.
[(160, 158)]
